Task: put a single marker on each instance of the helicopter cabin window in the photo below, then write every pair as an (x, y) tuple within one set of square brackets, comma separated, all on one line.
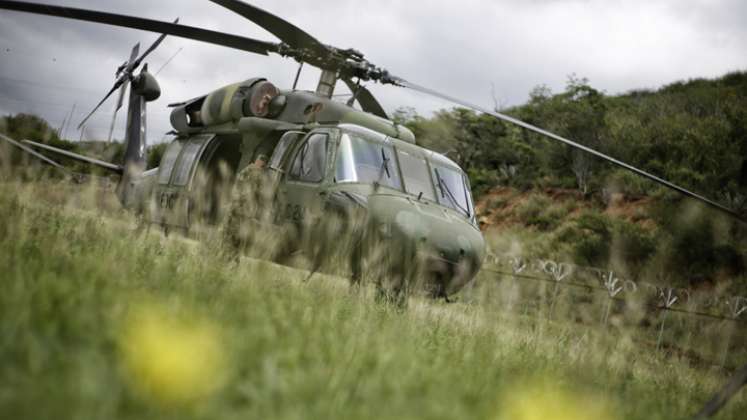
[(452, 190), (311, 159), (288, 139), (417, 179), (359, 160), (168, 161), (186, 162)]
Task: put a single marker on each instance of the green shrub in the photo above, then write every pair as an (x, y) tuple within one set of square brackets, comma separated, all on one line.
[(634, 245), (540, 212), (628, 183), (532, 207), (155, 153), (588, 237), (496, 203), (696, 244)]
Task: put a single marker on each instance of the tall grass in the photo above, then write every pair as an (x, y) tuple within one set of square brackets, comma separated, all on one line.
[(101, 319)]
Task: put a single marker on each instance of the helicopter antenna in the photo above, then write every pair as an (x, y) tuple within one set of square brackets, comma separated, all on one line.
[(169, 61), (298, 75), (66, 125)]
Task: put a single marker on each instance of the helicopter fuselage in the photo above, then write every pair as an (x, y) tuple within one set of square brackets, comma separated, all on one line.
[(322, 161)]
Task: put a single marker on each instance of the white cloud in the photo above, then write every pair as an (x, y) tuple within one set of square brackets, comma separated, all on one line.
[(456, 47)]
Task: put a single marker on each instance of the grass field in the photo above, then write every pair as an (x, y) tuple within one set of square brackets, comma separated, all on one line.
[(101, 320)]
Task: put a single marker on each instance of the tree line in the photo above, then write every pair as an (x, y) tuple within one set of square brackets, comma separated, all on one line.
[(692, 133)]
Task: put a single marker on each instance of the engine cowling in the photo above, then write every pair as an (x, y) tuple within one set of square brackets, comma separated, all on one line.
[(251, 98)]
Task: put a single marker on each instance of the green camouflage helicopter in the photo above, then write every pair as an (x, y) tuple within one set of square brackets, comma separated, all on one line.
[(329, 175)]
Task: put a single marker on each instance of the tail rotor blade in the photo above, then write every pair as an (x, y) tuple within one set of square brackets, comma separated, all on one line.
[(150, 49), (117, 85), (127, 64), (404, 83), (133, 54), (120, 100)]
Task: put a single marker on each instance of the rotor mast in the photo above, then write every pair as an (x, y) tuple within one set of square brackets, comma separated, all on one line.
[(327, 82)]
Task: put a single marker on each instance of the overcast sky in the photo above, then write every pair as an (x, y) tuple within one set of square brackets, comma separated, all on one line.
[(459, 47)]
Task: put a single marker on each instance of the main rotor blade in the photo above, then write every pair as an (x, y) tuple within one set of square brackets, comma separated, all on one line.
[(281, 28), (366, 99), (189, 32), (33, 153), (81, 158), (722, 397), (512, 120)]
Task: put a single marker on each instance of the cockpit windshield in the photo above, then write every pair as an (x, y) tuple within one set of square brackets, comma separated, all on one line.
[(417, 180), (452, 189), (426, 176), (367, 162)]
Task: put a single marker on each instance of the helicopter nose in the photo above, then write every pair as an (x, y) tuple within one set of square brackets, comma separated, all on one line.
[(449, 248)]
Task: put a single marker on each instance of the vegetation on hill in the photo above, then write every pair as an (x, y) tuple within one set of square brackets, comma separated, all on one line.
[(692, 133), (564, 204)]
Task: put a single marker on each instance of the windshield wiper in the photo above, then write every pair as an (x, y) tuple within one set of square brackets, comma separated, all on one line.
[(446, 192), (384, 165)]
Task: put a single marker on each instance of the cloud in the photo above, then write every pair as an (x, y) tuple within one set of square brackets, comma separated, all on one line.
[(461, 48)]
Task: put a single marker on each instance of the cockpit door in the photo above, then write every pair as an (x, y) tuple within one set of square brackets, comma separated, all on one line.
[(307, 176), (283, 149)]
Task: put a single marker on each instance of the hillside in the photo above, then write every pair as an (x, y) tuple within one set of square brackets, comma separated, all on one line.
[(556, 203), (692, 133)]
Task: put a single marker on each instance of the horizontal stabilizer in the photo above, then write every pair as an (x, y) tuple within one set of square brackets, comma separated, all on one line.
[(85, 159), (33, 153)]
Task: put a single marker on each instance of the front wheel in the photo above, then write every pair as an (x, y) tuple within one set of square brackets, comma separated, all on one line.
[(393, 268)]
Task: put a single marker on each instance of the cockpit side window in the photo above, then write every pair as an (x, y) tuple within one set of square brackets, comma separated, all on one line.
[(288, 139), (310, 160)]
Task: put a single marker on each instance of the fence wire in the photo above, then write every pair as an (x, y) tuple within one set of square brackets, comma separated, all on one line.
[(666, 298)]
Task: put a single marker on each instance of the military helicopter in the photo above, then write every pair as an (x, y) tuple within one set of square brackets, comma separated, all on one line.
[(320, 157)]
